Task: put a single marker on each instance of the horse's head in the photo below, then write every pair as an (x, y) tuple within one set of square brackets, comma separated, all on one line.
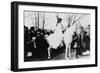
[(75, 28)]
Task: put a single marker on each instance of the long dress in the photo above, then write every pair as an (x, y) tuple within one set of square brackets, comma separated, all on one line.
[(56, 39)]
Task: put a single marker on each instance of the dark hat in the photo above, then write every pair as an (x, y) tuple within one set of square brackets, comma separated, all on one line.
[(59, 20)]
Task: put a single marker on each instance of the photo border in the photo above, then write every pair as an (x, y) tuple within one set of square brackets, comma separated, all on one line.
[(14, 35)]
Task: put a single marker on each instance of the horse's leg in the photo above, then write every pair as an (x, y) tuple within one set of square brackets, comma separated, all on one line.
[(69, 51), (34, 44), (49, 51), (75, 53), (66, 52)]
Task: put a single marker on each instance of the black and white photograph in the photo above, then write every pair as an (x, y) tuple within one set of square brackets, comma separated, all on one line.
[(53, 36), (56, 36)]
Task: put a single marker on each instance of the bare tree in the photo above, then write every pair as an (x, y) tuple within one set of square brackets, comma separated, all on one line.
[(43, 19), (32, 20), (31, 17), (36, 23), (71, 19), (38, 19)]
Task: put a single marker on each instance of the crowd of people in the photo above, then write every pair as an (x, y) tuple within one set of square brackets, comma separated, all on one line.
[(35, 43), (81, 42)]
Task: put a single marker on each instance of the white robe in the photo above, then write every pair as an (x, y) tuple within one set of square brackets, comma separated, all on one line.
[(55, 39)]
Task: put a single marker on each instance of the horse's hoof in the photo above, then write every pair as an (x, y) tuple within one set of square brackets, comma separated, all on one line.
[(66, 58), (70, 58), (48, 58), (77, 57)]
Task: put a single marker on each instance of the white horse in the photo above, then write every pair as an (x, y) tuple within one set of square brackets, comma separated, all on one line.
[(58, 36), (68, 37), (55, 39)]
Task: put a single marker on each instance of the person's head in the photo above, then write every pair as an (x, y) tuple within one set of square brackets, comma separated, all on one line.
[(85, 33), (59, 20), (32, 28)]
